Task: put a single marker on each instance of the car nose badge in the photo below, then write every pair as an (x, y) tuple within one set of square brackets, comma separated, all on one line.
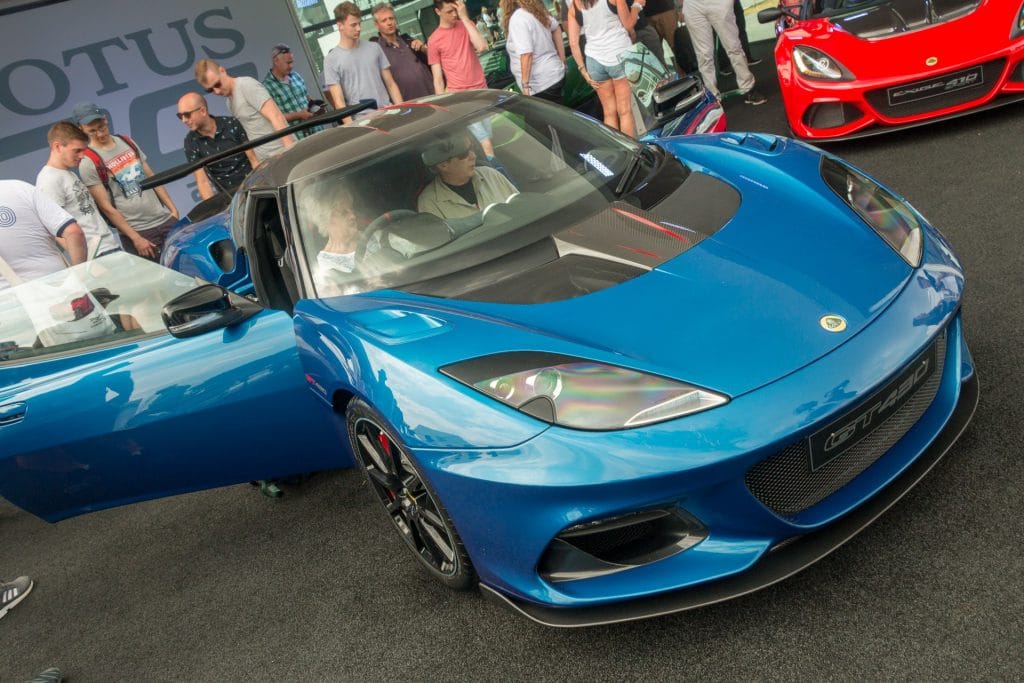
[(832, 323)]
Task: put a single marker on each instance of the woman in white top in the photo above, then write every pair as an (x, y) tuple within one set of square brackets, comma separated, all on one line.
[(536, 52), (608, 27)]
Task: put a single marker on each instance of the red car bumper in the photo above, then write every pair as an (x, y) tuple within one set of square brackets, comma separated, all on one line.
[(908, 80)]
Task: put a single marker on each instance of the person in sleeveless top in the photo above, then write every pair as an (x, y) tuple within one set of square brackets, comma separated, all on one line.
[(607, 26)]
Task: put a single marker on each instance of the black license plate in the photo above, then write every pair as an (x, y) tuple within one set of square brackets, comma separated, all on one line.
[(933, 87), (829, 443)]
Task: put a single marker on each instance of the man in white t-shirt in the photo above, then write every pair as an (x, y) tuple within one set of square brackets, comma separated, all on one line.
[(67, 145), (30, 225), (249, 102)]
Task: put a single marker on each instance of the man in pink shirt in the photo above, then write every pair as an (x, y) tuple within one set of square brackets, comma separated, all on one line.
[(452, 48), (452, 54)]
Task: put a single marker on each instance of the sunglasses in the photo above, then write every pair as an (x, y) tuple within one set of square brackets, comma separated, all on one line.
[(186, 114), (214, 86)]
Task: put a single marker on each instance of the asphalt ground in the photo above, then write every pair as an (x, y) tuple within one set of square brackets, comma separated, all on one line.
[(230, 585)]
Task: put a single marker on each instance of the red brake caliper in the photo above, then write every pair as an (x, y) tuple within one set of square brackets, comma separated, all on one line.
[(385, 443)]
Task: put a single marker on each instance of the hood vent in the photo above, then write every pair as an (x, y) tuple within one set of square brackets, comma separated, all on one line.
[(896, 16)]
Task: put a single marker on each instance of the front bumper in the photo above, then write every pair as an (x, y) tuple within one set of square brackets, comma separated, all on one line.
[(782, 561), (843, 111)]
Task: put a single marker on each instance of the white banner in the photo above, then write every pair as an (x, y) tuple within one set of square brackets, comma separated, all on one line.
[(134, 60)]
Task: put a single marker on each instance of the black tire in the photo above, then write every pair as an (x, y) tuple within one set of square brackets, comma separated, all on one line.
[(407, 498)]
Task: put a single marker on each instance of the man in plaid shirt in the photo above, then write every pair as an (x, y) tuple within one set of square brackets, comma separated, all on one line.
[(288, 89)]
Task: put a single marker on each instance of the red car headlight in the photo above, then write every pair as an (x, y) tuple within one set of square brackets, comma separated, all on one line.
[(814, 64)]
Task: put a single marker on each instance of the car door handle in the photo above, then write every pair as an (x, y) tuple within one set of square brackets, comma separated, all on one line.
[(11, 413)]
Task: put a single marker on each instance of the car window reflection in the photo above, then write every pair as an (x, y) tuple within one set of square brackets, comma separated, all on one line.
[(113, 299)]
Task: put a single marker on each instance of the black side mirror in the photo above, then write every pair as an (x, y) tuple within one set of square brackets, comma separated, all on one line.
[(206, 308), (676, 98), (767, 16)]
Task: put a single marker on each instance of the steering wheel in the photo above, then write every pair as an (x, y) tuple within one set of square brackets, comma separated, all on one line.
[(377, 230), (487, 209)]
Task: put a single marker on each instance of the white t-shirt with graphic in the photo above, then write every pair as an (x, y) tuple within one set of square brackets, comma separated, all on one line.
[(29, 222), (142, 210), (70, 193)]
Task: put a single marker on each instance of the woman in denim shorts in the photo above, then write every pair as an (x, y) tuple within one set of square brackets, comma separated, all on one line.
[(607, 26)]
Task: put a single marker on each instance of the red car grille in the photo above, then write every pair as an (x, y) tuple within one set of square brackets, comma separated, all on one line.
[(786, 483), (899, 101)]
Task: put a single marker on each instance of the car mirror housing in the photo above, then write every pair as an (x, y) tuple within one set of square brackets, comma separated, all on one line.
[(206, 308), (676, 97)]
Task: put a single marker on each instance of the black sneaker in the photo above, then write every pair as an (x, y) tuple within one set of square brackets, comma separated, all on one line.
[(726, 70), (754, 97), (752, 62), (14, 592)]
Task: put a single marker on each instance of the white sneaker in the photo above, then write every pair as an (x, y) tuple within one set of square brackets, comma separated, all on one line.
[(14, 592)]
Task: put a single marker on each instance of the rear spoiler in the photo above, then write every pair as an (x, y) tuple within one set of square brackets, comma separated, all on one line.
[(170, 175)]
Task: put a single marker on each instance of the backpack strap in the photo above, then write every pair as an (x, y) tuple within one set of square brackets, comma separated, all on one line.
[(131, 143), (101, 168)]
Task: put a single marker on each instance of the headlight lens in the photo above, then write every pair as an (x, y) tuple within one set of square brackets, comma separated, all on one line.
[(581, 394), (815, 64), (1018, 26), (889, 216)]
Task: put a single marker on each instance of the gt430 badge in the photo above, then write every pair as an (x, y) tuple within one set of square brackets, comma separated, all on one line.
[(829, 443)]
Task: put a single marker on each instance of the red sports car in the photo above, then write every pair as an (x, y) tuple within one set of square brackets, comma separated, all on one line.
[(849, 68)]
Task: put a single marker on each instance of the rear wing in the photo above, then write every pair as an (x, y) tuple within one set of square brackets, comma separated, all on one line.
[(172, 174)]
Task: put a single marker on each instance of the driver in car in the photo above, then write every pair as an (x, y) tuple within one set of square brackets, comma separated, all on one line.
[(461, 188)]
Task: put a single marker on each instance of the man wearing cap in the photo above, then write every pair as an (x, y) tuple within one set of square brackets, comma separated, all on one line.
[(30, 224), (288, 89), (209, 135), (57, 181), (112, 169), (461, 188), (407, 55), (249, 102)]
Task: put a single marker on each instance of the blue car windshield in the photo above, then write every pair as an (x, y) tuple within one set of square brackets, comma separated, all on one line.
[(468, 193)]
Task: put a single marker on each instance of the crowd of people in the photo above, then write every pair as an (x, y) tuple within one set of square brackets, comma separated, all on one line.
[(93, 174)]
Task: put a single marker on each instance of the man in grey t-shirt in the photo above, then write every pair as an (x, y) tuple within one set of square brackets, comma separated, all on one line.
[(57, 181), (249, 102), (357, 70), (112, 170)]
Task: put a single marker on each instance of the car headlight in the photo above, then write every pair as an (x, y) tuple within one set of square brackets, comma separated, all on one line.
[(580, 394), (889, 216), (1018, 25), (815, 64)]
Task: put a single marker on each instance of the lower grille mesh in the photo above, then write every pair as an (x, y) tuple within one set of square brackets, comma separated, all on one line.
[(785, 483)]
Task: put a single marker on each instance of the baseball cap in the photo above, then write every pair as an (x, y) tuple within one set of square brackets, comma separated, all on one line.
[(444, 149), (279, 49), (87, 112)]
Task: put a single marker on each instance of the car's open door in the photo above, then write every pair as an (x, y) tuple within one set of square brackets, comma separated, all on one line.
[(101, 405)]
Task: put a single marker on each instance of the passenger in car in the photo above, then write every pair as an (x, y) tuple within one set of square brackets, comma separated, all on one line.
[(330, 212), (461, 188)]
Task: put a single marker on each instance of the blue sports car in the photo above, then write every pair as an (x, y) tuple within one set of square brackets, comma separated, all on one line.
[(600, 379)]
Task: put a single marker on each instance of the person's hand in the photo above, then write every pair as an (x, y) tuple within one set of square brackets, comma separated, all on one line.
[(144, 247), (461, 7), (417, 45), (526, 90), (588, 79)]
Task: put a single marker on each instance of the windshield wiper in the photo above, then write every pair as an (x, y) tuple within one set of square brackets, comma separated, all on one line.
[(632, 166)]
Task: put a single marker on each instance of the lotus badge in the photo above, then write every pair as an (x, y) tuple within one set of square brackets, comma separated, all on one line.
[(833, 323), (931, 61)]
